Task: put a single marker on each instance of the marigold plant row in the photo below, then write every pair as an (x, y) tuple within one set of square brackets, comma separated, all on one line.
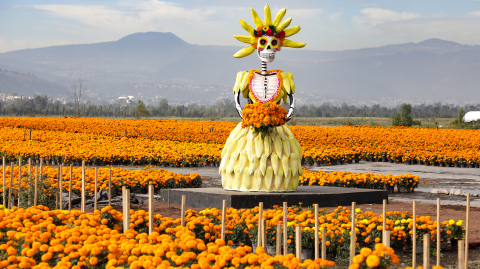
[(159, 178), (359, 180), (133, 179), (184, 143), (40, 238)]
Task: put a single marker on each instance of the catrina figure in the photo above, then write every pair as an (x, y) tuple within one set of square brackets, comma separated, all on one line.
[(261, 153)]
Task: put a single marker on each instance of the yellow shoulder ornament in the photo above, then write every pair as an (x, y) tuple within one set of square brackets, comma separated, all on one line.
[(286, 82), (292, 84), (238, 81)]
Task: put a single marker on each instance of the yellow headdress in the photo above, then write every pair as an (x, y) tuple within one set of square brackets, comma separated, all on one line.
[(267, 28)]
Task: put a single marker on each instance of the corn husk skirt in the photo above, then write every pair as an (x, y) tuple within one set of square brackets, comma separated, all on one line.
[(251, 162)]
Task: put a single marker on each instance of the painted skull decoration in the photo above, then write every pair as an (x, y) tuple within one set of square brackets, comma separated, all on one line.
[(266, 48)]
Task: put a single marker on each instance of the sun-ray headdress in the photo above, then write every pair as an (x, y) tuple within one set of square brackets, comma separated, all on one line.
[(268, 28)]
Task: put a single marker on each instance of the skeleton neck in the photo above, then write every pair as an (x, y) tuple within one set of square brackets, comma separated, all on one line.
[(264, 68)]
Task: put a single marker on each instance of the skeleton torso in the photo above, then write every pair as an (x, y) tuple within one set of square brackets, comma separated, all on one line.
[(265, 87)]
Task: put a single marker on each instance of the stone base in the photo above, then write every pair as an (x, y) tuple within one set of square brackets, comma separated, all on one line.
[(307, 195)]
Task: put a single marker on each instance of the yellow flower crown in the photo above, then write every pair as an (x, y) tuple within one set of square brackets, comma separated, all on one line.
[(267, 28)]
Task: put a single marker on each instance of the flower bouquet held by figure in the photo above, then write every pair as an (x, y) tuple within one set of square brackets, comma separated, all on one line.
[(261, 153)]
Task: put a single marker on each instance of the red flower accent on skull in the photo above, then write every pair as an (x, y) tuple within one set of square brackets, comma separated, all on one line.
[(259, 34), (282, 34), (269, 32)]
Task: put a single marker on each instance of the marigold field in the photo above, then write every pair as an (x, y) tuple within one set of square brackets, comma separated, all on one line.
[(136, 180), (41, 238), (184, 143)]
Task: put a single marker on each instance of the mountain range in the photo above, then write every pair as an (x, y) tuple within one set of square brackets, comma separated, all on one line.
[(161, 65)]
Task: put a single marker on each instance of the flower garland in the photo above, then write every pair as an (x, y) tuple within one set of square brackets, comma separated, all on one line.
[(250, 78), (263, 116), (270, 30)]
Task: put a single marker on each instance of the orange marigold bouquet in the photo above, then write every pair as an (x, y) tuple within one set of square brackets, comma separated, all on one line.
[(263, 116)]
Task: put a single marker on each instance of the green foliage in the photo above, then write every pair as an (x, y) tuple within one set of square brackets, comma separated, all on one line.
[(459, 120), (404, 119), (141, 110)]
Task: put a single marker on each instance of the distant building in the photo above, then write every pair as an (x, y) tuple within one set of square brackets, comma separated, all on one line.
[(471, 116), (128, 99)]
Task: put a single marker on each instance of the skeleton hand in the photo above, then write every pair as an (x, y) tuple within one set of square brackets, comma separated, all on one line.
[(291, 109), (290, 114)]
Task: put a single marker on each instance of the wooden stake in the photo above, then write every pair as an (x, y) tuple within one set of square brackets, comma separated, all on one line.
[(35, 191), (41, 169), (316, 231), (384, 224), (60, 180), (278, 238), (70, 188), (83, 205), (168, 198), (29, 178), (414, 235), (467, 221), (324, 243), (438, 232), (110, 186), (19, 179), (224, 219), (10, 188), (30, 137), (298, 242), (126, 208), (263, 232), (58, 187), (461, 254), (285, 229), (426, 250), (150, 209), (4, 183), (184, 200), (260, 217), (95, 190), (353, 235), (387, 237)]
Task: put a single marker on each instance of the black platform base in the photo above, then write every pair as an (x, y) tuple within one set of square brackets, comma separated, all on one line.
[(307, 195)]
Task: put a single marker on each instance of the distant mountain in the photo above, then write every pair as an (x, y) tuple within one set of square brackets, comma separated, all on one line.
[(27, 84), (152, 63)]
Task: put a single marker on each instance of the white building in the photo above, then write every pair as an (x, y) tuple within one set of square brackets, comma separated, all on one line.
[(471, 116), (128, 99)]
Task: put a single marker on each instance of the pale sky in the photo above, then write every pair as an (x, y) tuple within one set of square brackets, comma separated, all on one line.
[(326, 25)]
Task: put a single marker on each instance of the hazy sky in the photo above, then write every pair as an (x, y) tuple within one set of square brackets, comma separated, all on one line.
[(326, 25)]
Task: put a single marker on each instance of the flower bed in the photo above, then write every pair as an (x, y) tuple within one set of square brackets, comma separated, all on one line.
[(136, 180), (72, 239), (358, 180), (38, 236), (184, 143)]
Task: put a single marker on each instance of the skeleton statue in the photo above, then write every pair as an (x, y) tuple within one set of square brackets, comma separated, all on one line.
[(269, 38), (272, 161)]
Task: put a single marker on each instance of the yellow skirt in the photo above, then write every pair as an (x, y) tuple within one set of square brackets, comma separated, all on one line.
[(268, 164)]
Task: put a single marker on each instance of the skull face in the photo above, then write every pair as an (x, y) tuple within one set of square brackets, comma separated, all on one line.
[(266, 48)]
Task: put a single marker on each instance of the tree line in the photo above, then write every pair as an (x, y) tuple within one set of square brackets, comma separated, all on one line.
[(42, 105)]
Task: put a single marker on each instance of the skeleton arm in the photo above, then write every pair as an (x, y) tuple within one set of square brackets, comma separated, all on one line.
[(289, 87), (292, 107), (237, 104), (241, 84)]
